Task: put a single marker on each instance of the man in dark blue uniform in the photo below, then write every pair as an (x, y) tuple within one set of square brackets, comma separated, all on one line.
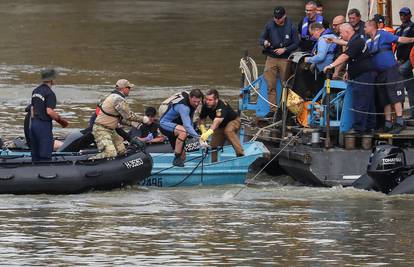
[(361, 71), (278, 39), (403, 53), (43, 104), (390, 90)]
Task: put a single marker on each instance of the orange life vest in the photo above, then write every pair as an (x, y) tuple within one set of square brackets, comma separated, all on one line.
[(412, 57)]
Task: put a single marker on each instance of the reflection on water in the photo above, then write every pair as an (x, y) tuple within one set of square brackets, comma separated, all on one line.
[(265, 225)]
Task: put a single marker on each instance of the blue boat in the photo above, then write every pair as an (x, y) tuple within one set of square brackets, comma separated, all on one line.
[(199, 170)]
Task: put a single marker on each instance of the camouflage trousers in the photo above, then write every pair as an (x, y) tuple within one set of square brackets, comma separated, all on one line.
[(108, 142)]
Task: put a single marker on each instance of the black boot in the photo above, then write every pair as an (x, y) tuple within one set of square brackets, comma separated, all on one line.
[(178, 161)]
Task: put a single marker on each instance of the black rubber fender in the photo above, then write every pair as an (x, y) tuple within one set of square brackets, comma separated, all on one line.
[(365, 182), (405, 187)]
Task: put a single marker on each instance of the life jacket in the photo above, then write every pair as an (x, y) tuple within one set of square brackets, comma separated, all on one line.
[(332, 46), (305, 26), (169, 103), (101, 109)]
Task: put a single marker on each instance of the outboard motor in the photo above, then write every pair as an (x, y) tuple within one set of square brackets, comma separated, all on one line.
[(387, 167)]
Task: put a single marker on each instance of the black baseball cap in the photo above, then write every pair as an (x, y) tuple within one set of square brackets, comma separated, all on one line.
[(379, 18), (279, 12)]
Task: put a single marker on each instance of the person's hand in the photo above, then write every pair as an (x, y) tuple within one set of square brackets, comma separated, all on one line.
[(149, 137), (204, 137), (327, 68), (266, 44), (280, 51), (64, 123), (203, 143), (346, 76), (329, 40), (202, 128)]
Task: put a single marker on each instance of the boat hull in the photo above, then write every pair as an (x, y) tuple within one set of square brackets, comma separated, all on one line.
[(72, 174), (199, 170)]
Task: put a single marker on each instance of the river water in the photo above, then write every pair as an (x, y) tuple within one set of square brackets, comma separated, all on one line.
[(164, 47)]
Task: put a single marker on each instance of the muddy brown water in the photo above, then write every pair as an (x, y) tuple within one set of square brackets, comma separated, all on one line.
[(164, 47)]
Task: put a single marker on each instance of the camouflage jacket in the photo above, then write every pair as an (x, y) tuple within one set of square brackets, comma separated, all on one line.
[(114, 109)]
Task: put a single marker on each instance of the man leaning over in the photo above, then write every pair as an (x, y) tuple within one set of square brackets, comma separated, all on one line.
[(114, 109)]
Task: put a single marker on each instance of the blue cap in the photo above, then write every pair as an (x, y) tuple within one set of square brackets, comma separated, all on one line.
[(405, 10)]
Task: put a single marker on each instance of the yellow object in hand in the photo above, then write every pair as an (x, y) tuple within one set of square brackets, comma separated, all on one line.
[(202, 128), (205, 135)]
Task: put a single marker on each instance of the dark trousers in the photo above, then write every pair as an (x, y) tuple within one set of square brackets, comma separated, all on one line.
[(41, 138), (363, 98), (406, 71)]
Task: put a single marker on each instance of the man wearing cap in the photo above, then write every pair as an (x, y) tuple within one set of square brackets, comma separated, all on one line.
[(114, 109), (279, 39), (403, 53), (306, 41), (380, 20), (43, 104)]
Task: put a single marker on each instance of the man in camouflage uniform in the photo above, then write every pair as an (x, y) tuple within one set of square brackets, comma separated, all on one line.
[(114, 109)]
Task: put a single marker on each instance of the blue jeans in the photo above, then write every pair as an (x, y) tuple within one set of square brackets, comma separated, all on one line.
[(406, 70), (41, 139)]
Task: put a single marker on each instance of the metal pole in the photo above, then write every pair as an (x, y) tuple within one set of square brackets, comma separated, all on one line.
[(328, 109)]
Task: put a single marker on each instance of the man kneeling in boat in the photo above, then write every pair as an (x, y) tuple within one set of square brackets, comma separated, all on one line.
[(226, 123), (176, 123), (114, 109)]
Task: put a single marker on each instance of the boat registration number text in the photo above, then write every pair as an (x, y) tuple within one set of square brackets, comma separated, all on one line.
[(152, 181), (134, 163)]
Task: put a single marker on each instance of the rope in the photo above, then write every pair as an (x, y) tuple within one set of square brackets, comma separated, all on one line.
[(378, 113), (387, 83), (267, 164), (194, 169)]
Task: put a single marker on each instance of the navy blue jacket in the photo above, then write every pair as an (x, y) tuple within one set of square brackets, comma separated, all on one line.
[(285, 36)]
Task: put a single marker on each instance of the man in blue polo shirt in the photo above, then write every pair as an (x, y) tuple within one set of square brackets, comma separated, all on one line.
[(389, 89)]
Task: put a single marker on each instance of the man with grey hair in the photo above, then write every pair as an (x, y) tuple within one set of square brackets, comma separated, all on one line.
[(361, 72), (43, 106), (306, 41), (354, 18)]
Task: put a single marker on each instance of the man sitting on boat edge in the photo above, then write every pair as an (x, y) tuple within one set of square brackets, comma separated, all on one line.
[(225, 126), (176, 123)]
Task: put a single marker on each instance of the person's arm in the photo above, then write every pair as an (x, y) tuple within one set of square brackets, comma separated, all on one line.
[(336, 41), (340, 60), (264, 36), (50, 110), (405, 40), (128, 116), (184, 112), (323, 48)]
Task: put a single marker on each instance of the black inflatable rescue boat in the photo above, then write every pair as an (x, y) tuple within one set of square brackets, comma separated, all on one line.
[(388, 172), (69, 173)]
